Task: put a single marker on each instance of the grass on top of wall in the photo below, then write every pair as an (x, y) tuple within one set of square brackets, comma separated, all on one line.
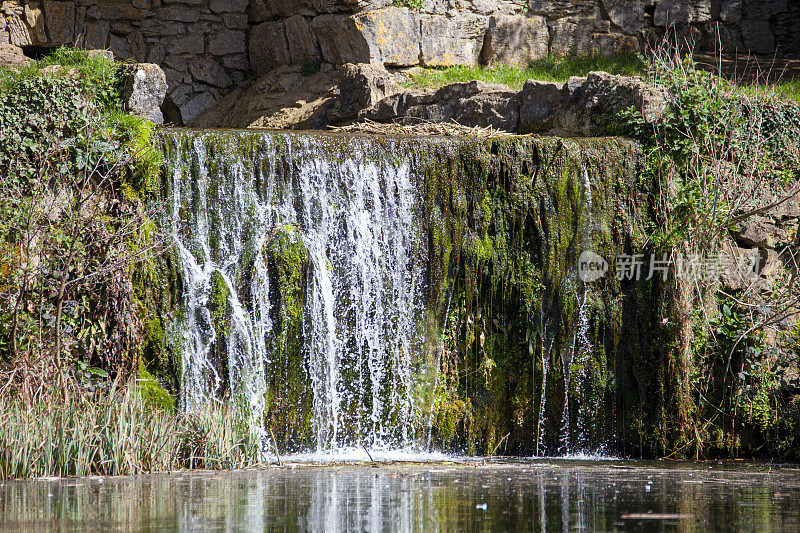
[(553, 68)]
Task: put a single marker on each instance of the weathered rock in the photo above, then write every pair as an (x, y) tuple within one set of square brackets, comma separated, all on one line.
[(473, 103), (393, 35), (34, 17), (613, 44), (574, 37), (515, 40), (12, 56), (195, 106), (556, 9), (208, 71), (60, 22), (681, 12), (18, 31), (340, 40), (283, 98), (730, 11), (755, 231), (268, 47), (627, 15), (740, 267), (539, 102), (228, 6), (144, 92), (301, 43), (757, 36), (361, 87), (451, 41), (97, 34), (227, 42)]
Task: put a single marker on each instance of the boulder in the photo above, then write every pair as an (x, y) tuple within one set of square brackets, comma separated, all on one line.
[(515, 40), (539, 102), (144, 92), (451, 41), (361, 87), (681, 12), (472, 103)]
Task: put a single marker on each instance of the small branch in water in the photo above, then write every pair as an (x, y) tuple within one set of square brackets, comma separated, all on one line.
[(275, 445), (368, 454)]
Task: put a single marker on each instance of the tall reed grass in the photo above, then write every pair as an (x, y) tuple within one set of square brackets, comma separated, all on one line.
[(118, 434)]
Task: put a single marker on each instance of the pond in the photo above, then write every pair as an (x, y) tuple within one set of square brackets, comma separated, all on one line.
[(475, 494)]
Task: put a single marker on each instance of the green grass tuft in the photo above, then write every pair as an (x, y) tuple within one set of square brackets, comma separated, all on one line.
[(550, 69)]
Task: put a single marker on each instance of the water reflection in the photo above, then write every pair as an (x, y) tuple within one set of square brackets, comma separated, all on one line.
[(553, 496)]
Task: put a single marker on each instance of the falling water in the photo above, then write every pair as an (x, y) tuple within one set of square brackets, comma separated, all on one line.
[(357, 223)]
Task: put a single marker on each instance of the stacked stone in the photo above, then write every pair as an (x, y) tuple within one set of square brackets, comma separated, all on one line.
[(200, 44)]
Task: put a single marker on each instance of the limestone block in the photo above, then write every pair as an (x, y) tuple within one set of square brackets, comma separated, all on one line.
[(515, 40), (556, 9), (268, 47), (575, 37), (613, 44), (681, 12), (393, 35), (185, 44), (178, 13), (627, 15), (145, 89), (452, 41), (18, 32), (11, 56)]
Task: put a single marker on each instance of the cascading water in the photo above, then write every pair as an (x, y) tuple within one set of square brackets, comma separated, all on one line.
[(344, 291), (356, 220)]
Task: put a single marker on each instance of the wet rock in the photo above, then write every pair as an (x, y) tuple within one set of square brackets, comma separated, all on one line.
[(515, 40), (144, 92)]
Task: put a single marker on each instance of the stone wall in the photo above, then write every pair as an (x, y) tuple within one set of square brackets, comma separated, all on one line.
[(200, 44), (206, 47)]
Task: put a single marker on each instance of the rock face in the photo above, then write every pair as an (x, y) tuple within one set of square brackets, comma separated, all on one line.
[(144, 92), (207, 47), (515, 40), (473, 103)]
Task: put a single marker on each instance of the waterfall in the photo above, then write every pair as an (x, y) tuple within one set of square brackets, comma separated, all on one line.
[(356, 220), (329, 283)]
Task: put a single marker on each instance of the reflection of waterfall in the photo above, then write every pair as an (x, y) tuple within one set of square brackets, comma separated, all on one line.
[(231, 191)]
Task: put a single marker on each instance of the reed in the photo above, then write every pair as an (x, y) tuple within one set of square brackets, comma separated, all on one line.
[(118, 434)]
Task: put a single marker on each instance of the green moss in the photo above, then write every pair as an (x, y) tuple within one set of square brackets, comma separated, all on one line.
[(218, 302), (154, 395)]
